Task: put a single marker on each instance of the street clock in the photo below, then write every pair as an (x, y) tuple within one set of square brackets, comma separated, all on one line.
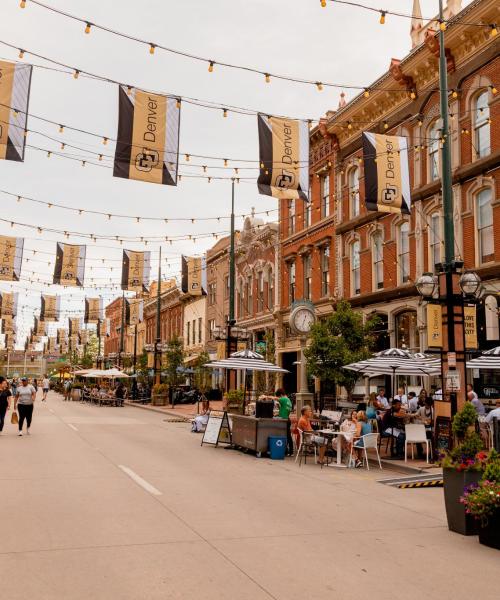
[(302, 318)]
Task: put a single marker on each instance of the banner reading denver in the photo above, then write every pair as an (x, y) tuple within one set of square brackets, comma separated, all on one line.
[(147, 144), (284, 157)]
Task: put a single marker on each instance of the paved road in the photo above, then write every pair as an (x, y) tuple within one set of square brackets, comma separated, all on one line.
[(117, 504)]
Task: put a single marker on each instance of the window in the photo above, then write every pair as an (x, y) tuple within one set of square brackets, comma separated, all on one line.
[(307, 266), (407, 333), (491, 318), (434, 241), (291, 281), (404, 253), (226, 287), (355, 269), (240, 299), (199, 329), (249, 295), (188, 333), (291, 217), (260, 291), (270, 289), (481, 116), (378, 261), (325, 271), (212, 293), (307, 213), (484, 216), (211, 328), (325, 195), (434, 141), (353, 181)]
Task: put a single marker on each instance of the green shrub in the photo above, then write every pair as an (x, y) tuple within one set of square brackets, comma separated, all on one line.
[(464, 419), (160, 389), (492, 470)]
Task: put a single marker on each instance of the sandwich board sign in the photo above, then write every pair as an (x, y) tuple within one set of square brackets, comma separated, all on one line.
[(218, 429)]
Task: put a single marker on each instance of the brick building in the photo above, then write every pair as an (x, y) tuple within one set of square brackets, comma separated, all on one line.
[(113, 312), (171, 313), (333, 248)]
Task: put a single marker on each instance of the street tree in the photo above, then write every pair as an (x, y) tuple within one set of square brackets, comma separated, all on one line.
[(173, 359), (342, 338)]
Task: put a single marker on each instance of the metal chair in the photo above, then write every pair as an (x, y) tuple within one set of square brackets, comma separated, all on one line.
[(370, 440), (305, 444)]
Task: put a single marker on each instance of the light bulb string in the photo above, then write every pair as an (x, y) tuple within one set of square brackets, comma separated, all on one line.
[(268, 74)]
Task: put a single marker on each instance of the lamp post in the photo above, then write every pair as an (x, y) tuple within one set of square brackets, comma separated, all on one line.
[(230, 340), (157, 346)]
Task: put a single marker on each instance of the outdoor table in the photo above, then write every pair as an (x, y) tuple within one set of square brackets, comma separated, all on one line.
[(339, 464)]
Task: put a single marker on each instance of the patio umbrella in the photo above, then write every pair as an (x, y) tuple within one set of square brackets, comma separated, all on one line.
[(490, 359), (106, 373), (245, 360)]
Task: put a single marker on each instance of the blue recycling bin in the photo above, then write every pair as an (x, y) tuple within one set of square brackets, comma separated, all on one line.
[(277, 447)]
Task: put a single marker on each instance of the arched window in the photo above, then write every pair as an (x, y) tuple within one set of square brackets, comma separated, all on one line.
[(291, 281), (407, 333), (434, 141), (325, 270), (404, 253), (353, 180), (481, 115), (484, 224), (307, 271), (434, 241), (491, 318), (325, 195), (378, 260), (270, 288), (355, 268)]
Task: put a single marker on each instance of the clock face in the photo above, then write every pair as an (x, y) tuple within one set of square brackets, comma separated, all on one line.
[(303, 320)]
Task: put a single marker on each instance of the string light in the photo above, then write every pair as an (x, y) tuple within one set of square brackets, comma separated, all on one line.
[(267, 77), (105, 141), (187, 157), (494, 90), (366, 93), (76, 73), (454, 94), (323, 3), (100, 157), (48, 154), (224, 112), (87, 27), (63, 145), (61, 128), (319, 85), (23, 4), (129, 90), (382, 17), (211, 66), (413, 94), (21, 53), (225, 162), (386, 125), (493, 30), (178, 103), (152, 48), (442, 26), (349, 125)]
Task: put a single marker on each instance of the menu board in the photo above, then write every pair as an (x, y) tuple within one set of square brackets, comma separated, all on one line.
[(218, 429), (443, 434)]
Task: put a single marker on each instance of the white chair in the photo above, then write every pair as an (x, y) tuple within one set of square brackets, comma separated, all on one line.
[(305, 444), (416, 434), (370, 440)]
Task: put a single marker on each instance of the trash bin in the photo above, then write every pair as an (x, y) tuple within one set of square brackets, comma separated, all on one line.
[(277, 447)]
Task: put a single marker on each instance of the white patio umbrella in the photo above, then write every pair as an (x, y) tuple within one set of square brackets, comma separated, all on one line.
[(106, 374), (490, 359), (245, 360)]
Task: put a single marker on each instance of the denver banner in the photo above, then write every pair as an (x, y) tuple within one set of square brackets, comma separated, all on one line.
[(75, 325), (284, 156), (134, 311), (50, 308), (135, 270), (70, 264), (93, 310), (15, 80), (62, 335), (8, 325), (11, 254), (194, 274), (147, 146), (39, 328), (434, 326), (387, 179), (8, 304)]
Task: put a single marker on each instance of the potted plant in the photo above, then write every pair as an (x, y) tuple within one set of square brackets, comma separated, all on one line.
[(462, 466), (235, 402), (482, 502), (159, 395)]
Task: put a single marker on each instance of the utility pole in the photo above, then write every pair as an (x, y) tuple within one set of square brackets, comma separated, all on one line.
[(122, 333), (232, 283), (157, 352)]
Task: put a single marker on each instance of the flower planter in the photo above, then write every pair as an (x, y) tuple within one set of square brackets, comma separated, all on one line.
[(159, 400), (455, 483), (489, 533)]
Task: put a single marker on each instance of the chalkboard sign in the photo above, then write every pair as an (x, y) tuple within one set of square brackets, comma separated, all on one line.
[(218, 429), (443, 435)]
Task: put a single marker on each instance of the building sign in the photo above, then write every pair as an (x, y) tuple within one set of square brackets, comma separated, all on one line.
[(470, 327), (221, 350), (452, 381), (434, 326)]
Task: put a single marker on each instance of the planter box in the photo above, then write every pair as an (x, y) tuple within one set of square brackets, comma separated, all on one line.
[(159, 400), (490, 534), (454, 484)]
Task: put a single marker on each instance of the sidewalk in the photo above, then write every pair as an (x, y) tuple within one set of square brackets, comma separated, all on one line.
[(183, 411)]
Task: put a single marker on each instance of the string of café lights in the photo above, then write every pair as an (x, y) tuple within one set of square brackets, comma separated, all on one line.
[(267, 75)]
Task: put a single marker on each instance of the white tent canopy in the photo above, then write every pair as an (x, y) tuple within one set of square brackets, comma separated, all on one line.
[(106, 374)]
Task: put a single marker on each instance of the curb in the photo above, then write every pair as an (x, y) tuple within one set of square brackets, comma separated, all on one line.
[(161, 411)]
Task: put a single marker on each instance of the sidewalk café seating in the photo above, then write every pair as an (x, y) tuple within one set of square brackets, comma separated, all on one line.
[(332, 415), (416, 434), (370, 441), (305, 444)]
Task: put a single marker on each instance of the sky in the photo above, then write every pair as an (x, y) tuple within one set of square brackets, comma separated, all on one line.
[(340, 44)]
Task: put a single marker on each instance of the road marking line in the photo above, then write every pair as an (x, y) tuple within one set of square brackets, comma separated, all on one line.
[(72, 426), (140, 481)]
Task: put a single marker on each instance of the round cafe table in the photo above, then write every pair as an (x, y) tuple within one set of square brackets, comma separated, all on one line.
[(329, 432)]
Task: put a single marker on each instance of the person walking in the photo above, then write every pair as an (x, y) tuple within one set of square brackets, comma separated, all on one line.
[(45, 387), (5, 395), (284, 413), (24, 400)]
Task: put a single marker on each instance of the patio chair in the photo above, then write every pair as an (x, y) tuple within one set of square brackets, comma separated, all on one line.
[(416, 434), (370, 440), (305, 445)]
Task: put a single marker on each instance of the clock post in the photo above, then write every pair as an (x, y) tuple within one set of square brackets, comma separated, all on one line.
[(302, 318)]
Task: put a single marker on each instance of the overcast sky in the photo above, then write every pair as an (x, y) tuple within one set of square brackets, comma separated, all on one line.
[(296, 37)]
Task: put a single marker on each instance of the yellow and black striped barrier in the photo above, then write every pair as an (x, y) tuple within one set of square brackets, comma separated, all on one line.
[(421, 484)]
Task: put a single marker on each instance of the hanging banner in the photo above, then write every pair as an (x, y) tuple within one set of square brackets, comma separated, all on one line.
[(70, 264), (84, 337), (63, 346), (284, 157), (387, 178), (73, 342), (94, 310), (104, 328), (135, 270), (75, 325), (39, 328), (194, 275), (470, 327), (15, 80), (8, 325), (9, 342), (147, 146), (8, 304), (51, 344), (434, 326), (50, 308), (134, 311), (11, 255), (62, 335)]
